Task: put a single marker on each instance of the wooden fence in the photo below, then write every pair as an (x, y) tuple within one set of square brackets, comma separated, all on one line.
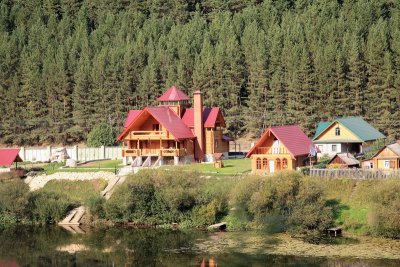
[(355, 173)]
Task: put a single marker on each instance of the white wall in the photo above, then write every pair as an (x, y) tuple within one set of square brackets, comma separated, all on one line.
[(76, 153), (327, 149)]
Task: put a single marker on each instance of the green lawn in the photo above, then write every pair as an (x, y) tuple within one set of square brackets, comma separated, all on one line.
[(231, 167), (102, 164), (77, 191)]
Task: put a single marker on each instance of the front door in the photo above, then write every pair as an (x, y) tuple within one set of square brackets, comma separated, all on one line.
[(271, 166)]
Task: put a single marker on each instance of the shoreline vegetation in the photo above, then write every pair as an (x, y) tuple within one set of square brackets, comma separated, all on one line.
[(288, 202)]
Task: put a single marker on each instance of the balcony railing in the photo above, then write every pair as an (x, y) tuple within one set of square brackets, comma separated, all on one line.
[(165, 152), (271, 150), (147, 134)]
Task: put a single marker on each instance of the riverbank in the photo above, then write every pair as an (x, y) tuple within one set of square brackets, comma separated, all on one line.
[(286, 202)]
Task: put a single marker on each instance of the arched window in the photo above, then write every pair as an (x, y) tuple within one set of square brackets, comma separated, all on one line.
[(265, 163), (278, 164), (258, 164), (284, 163)]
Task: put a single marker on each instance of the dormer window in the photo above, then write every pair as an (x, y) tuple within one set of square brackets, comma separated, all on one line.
[(337, 131)]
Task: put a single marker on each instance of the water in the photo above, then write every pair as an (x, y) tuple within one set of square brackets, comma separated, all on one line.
[(54, 246)]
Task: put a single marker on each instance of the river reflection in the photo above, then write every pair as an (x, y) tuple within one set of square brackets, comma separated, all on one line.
[(55, 246)]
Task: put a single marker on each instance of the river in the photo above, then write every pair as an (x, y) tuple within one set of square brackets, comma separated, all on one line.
[(118, 246)]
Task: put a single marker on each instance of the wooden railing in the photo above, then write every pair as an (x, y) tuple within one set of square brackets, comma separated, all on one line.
[(166, 152), (355, 173), (131, 152), (147, 134), (271, 150)]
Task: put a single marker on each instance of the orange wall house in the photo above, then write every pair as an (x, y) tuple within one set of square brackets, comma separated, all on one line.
[(175, 131), (281, 148), (388, 158)]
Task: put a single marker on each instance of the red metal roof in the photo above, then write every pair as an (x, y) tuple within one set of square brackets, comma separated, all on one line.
[(291, 136), (210, 116), (173, 94), (171, 121), (167, 118), (131, 117), (8, 156)]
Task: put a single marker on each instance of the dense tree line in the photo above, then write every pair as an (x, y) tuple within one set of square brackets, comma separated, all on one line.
[(67, 65)]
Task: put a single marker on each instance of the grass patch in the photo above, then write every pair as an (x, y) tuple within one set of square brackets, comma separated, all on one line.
[(101, 164), (77, 191), (232, 167)]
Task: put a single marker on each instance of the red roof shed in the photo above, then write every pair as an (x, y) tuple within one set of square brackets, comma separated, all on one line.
[(8, 156)]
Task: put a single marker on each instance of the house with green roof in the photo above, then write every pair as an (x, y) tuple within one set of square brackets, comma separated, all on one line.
[(345, 135)]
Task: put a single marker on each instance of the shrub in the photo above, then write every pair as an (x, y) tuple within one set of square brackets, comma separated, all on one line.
[(13, 198), (96, 206), (48, 207), (8, 176), (385, 215), (284, 202), (154, 197), (102, 135)]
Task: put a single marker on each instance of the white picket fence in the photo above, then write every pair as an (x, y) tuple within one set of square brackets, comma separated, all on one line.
[(77, 153)]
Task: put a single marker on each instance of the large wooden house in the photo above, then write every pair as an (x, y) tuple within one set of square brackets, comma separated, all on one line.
[(344, 135), (173, 130), (281, 148)]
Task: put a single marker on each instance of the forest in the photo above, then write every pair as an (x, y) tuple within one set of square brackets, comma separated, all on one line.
[(66, 65)]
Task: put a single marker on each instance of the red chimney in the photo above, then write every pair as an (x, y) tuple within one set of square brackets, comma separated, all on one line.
[(198, 125)]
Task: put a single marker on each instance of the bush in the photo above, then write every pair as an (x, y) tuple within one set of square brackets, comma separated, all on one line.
[(102, 135), (13, 198), (96, 206), (48, 207), (154, 197), (284, 202), (385, 215), (8, 176)]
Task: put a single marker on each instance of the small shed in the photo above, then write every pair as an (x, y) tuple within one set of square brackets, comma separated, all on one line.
[(8, 156), (345, 160)]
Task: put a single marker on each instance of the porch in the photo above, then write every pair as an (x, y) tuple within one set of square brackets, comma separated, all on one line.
[(163, 152)]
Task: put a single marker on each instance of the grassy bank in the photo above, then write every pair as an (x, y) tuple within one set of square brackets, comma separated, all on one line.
[(76, 191), (232, 167), (286, 202)]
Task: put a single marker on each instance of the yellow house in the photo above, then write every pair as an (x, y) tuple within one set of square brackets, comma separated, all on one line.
[(280, 148), (388, 158), (344, 135)]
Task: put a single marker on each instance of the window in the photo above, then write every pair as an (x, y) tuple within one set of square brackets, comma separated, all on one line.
[(334, 148), (265, 163), (284, 163), (278, 164), (156, 127), (258, 164), (371, 165), (337, 131), (320, 148), (387, 164)]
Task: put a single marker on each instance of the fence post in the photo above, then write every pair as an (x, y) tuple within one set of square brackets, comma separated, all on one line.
[(102, 152), (75, 153), (49, 152)]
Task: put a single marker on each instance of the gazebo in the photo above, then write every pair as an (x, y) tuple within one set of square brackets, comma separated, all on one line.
[(8, 156)]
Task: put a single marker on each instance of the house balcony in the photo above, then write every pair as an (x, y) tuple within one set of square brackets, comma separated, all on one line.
[(148, 135), (271, 151), (164, 152)]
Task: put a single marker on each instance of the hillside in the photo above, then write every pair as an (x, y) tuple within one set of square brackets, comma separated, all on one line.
[(66, 65)]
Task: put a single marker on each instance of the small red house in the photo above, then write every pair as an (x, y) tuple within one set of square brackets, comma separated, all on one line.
[(281, 148), (173, 130)]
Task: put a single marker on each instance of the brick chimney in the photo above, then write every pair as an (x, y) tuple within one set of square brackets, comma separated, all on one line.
[(198, 125)]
